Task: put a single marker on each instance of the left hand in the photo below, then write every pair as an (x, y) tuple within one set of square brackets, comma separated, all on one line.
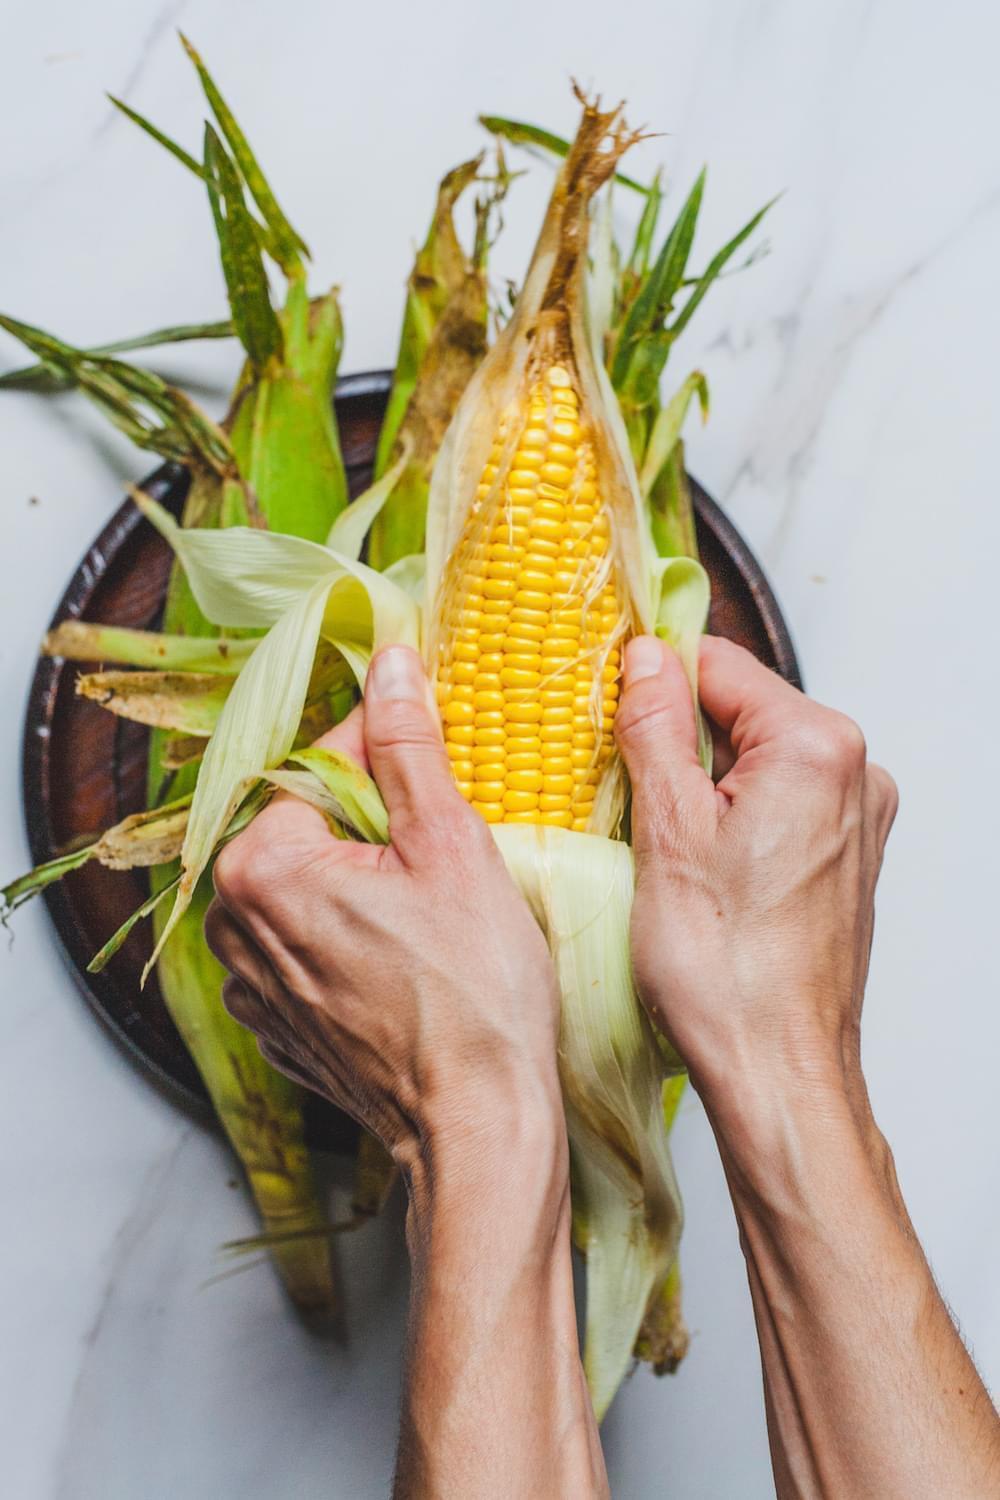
[(407, 983)]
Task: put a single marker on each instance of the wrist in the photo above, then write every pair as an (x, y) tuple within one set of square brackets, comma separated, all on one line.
[(487, 1150), (757, 1086), (797, 1153)]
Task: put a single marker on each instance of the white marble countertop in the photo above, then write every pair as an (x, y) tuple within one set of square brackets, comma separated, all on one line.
[(852, 439)]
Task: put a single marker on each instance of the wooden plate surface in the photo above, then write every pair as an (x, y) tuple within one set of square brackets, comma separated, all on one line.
[(84, 769)]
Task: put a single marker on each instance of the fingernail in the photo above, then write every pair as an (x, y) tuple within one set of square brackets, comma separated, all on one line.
[(396, 672), (643, 658)]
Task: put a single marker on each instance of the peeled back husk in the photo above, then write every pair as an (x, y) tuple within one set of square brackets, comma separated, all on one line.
[(626, 1206)]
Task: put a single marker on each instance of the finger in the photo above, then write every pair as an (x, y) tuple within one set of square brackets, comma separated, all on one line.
[(407, 756), (778, 735), (245, 1004), (657, 735), (255, 1010), (289, 1066), (235, 948), (745, 699)]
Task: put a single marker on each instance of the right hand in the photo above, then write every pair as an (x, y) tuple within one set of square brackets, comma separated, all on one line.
[(754, 906)]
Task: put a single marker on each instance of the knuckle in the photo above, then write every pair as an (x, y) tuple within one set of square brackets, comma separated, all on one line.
[(831, 745), (249, 869), (641, 723), (235, 998), (217, 930), (886, 791), (228, 874), (401, 724)]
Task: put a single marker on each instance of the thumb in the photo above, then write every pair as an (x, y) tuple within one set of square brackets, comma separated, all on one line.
[(658, 738), (406, 751)]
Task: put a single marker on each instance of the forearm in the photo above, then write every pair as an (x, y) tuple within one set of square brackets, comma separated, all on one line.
[(495, 1401), (869, 1388)]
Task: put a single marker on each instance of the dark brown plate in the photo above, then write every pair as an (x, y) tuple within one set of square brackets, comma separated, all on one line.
[(85, 769)]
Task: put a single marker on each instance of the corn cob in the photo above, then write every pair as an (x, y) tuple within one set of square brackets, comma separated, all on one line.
[(527, 680)]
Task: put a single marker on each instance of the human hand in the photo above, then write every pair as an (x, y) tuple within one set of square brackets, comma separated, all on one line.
[(753, 914), (407, 983)]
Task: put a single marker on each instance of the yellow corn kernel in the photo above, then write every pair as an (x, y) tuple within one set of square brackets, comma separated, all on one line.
[(524, 713), (455, 713), (520, 802)]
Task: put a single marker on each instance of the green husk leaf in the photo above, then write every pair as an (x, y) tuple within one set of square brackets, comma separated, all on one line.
[(183, 702), (642, 246), (682, 610), (410, 574), (283, 429), (246, 280), (151, 413), (103, 957), (44, 379), (667, 427), (25, 886), (655, 297), (358, 799), (714, 268), (348, 532), (288, 246), (671, 508), (139, 841), (184, 157), (276, 1238), (251, 579), (259, 1109), (79, 640)]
